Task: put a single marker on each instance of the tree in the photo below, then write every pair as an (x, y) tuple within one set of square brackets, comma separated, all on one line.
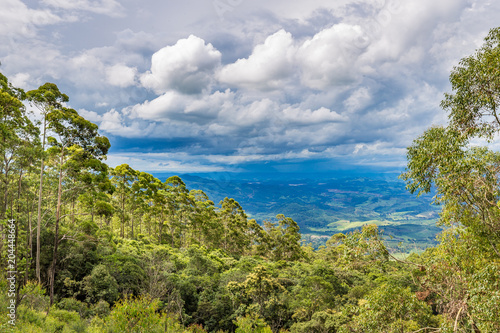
[(321, 322), (78, 146), (12, 122), (204, 227), (46, 98), (466, 179), (392, 309), (179, 205), (100, 285), (252, 324), (235, 239), (122, 177), (360, 249), (260, 239), (140, 315), (260, 286), (98, 189), (17, 132), (154, 199), (473, 106), (19, 149), (284, 238)]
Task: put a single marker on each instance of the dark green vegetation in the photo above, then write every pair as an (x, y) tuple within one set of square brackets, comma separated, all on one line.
[(89, 248), (323, 206)]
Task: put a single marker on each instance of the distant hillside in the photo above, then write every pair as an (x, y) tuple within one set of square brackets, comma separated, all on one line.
[(323, 206)]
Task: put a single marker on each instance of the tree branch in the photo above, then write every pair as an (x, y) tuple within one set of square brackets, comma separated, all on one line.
[(494, 247), (456, 319), (427, 328)]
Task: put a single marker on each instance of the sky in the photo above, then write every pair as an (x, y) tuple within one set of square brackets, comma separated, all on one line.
[(239, 85)]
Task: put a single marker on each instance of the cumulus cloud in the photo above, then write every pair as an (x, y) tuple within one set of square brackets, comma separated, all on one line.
[(266, 68), (115, 123), (187, 67), (329, 57), (227, 121), (341, 54), (176, 106), (85, 68), (17, 19), (90, 115), (121, 75)]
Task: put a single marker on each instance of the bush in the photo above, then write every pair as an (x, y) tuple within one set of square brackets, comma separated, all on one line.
[(136, 315), (71, 304), (252, 324), (101, 309), (100, 285), (34, 296), (390, 308)]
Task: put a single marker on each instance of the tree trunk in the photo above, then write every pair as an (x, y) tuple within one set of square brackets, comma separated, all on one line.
[(122, 231), (18, 288), (73, 212), (132, 226), (56, 233), (3, 207), (39, 220), (29, 234)]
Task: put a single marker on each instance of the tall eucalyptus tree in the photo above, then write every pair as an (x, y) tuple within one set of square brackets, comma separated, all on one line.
[(46, 98)]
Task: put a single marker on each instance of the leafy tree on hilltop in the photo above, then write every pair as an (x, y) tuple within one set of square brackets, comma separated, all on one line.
[(466, 178)]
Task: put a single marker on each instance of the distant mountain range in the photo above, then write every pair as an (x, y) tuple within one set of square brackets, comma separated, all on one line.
[(326, 204)]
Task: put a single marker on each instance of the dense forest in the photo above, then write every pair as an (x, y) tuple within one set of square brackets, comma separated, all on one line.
[(90, 248)]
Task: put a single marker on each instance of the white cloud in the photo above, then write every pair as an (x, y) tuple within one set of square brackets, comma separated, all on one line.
[(106, 7), (228, 112), (173, 105), (20, 80), (187, 66), (266, 68), (90, 115), (257, 113), (329, 57), (162, 162), (309, 117), (199, 163), (358, 100), (17, 19), (114, 123), (121, 75)]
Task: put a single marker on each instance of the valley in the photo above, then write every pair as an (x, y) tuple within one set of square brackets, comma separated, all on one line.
[(328, 204)]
